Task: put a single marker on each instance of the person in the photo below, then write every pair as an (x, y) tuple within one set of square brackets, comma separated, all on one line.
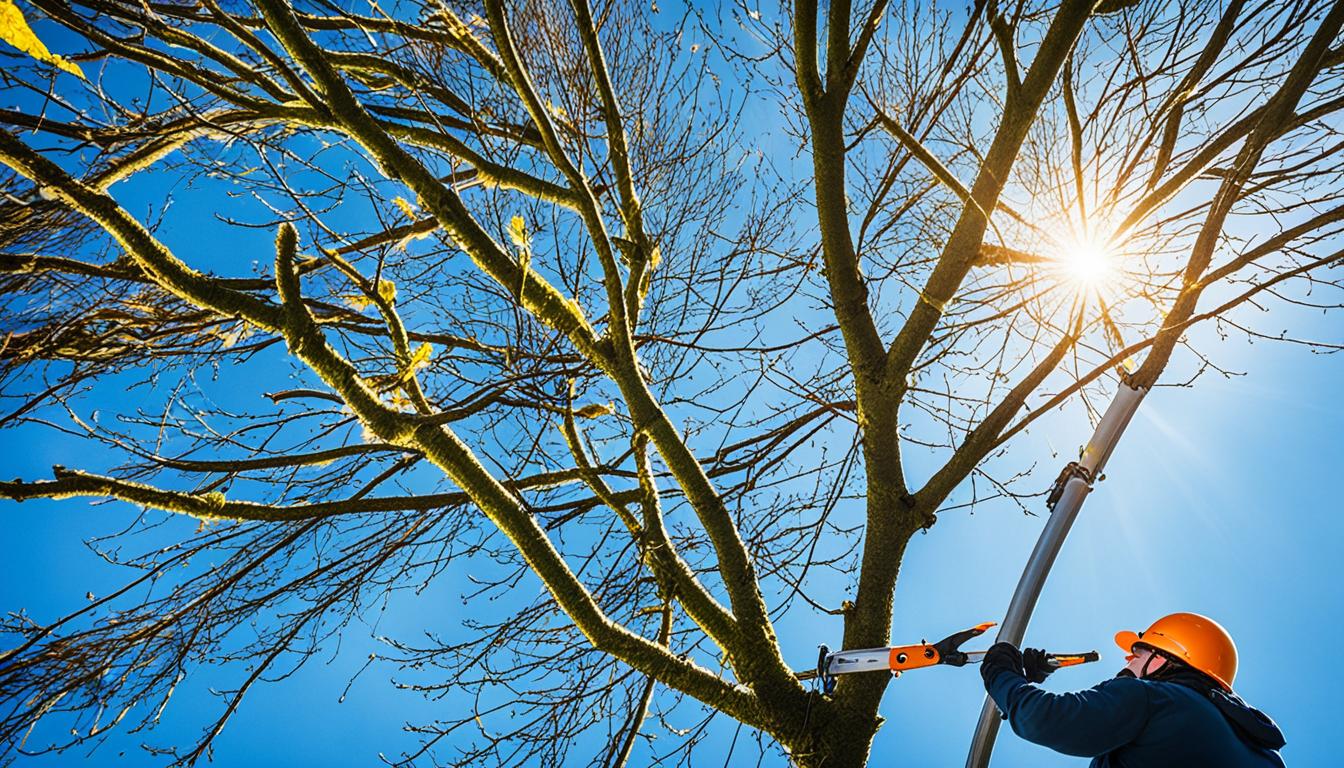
[(1172, 704)]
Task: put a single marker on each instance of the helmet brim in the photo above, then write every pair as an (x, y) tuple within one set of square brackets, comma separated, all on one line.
[(1126, 640)]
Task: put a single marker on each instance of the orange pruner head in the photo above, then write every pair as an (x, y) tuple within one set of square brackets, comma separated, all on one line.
[(949, 648)]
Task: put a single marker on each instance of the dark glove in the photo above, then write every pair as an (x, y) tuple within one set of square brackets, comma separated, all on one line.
[(1001, 657), (1035, 665)]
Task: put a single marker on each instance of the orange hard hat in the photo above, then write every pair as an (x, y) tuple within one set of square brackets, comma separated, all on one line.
[(1196, 640)]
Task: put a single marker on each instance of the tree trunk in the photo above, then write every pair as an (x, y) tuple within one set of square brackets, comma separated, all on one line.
[(840, 740)]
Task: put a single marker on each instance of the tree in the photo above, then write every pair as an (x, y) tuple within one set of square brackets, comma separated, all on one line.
[(557, 310)]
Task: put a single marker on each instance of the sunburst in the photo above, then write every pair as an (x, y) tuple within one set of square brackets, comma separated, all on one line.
[(1089, 264)]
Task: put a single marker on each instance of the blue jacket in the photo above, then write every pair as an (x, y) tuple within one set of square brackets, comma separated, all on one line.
[(1132, 723)]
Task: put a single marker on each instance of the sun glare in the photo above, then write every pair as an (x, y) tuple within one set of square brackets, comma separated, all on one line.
[(1088, 264)]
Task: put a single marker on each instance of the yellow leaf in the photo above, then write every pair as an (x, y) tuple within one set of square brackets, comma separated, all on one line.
[(357, 302), (596, 410), (412, 237), (388, 290), (518, 232), (421, 356), (401, 202), (239, 332), (419, 359), (14, 30)]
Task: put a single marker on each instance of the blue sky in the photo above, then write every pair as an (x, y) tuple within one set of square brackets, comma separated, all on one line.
[(1219, 500)]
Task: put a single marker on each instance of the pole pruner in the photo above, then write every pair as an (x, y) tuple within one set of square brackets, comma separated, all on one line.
[(902, 658)]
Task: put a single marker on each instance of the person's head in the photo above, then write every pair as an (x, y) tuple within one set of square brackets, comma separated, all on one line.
[(1181, 638), (1143, 661)]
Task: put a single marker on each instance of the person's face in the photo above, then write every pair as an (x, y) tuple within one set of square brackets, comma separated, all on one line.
[(1142, 661)]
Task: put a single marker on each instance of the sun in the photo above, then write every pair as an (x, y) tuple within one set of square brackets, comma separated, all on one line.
[(1088, 263)]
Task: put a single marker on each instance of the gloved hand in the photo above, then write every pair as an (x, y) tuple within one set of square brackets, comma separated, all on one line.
[(1000, 657), (1035, 666)]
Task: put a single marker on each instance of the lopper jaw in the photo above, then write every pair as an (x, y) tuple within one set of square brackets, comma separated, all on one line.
[(948, 649)]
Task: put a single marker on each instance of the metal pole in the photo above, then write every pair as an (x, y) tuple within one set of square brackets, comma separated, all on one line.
[(1077, 479)]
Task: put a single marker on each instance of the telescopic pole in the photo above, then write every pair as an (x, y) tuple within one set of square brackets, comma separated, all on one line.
[(1066, 498)]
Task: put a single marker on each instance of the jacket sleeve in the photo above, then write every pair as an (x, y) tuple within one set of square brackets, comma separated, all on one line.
[(1086, 724)]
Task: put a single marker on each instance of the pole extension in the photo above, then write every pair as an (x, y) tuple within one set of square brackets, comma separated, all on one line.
[(1066, 498)]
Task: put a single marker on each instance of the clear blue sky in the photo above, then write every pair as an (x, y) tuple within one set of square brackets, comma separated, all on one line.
[(1221, 499)]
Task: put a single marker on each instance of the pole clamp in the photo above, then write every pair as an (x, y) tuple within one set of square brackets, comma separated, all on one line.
[(824, 677), (1071, 470)]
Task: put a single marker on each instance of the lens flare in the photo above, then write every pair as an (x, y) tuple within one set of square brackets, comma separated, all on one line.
[(1088, 264)]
